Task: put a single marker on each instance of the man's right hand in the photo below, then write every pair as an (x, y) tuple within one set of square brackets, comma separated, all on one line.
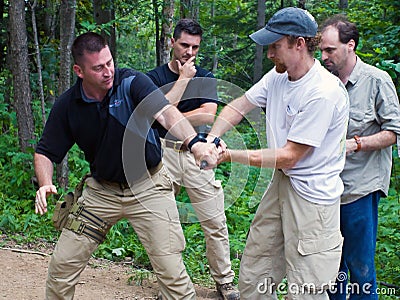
[(187, 70), (41, 196), (205, 152)]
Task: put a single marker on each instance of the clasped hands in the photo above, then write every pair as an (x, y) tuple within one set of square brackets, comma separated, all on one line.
[(208, 155)]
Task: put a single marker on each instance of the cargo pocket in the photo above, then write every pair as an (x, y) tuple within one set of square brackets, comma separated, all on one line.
[(307, 247), (320, 261)]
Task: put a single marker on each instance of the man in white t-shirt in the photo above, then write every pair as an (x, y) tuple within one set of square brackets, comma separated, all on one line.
[(295, 232)]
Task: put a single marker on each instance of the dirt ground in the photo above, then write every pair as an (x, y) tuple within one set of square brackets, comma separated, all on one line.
[(23, 271)]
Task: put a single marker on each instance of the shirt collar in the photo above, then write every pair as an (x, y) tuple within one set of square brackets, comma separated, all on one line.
[(355, 74), (82, 93)]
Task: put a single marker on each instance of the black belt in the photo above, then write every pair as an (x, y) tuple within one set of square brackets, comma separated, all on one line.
[(125, 185), (178, 146)]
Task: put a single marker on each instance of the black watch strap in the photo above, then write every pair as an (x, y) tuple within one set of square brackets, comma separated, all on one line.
[(198, 138)]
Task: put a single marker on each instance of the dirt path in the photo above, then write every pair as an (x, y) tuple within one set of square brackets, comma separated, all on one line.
[(23, 275)]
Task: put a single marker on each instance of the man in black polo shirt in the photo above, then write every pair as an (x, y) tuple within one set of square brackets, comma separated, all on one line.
[(108, 113), (193, 90)]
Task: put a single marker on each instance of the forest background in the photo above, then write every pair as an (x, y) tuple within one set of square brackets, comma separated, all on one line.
[(35, 67)]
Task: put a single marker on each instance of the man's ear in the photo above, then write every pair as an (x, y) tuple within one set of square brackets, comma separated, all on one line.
[(351, 44), (300, 41), (78, 71)]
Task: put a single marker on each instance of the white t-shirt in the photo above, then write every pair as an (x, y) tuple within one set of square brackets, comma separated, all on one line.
[(311, 111)]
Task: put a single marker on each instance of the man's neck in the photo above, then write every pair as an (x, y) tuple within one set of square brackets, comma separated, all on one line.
[(93, 94), (302, 69), (173, 66)]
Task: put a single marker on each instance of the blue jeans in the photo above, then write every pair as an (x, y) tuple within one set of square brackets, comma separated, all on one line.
[(358, 224)]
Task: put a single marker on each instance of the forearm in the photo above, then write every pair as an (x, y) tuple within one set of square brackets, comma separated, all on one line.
[(373, 142), (231, 115), (176, 92), (281, 158), (43, 169), (228, 118), (171, 119), (262, 158), (203, 115)]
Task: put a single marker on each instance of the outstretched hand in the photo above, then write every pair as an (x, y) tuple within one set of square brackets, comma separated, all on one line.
[(41, 198)]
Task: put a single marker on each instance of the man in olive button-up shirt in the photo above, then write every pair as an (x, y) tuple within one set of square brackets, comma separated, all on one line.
[(374, 124)]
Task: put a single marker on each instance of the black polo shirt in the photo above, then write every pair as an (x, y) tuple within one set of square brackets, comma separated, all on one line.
[(99, 128)]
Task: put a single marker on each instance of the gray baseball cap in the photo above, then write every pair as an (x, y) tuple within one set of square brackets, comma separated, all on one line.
[(288, 21)]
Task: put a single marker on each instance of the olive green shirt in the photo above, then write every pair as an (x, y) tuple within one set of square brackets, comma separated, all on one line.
[(374, 106)]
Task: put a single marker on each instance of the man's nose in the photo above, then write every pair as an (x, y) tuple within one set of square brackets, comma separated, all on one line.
[(270, 53), (108, 71)]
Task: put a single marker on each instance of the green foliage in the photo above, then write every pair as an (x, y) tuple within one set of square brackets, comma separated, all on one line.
[(18, 193), (225, 39), (122, 242), (388, 246), (140, 275)]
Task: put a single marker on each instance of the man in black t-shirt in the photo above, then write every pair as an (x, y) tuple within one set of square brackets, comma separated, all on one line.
[(193, 90), (109, 114)]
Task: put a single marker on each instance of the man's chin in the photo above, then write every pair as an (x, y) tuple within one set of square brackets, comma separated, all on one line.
[(280, 68)]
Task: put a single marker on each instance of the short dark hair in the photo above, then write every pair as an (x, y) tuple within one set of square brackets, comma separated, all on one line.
[(189, 26), (87, 42), (347, 30)]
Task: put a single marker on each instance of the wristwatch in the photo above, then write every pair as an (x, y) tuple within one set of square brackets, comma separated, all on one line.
[(198, 138)]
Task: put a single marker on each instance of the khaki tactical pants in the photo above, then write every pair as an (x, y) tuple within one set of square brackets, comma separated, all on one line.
[(207, 198), (294, 237), (151, 209)]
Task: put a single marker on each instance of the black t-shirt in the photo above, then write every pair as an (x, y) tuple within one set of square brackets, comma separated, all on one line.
[(201, 89), (113, 134)]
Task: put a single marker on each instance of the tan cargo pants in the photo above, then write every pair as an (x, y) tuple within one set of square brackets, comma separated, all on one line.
[(207, 198), (151, 209), (294, 237)]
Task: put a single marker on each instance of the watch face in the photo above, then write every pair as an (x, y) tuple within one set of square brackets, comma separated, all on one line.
[(198, 138)]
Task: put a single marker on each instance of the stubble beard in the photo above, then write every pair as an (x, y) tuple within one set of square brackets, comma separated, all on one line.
[(279, 67)]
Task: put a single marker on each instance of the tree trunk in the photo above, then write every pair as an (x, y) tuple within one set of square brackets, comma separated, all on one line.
[(3, 38), (67, 25), (166, 31), (38, 61), (104, 13), (215, 55), (50, 24), (190, 9), (258, 58), (157, 33), (50, 18), (20, 71)]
